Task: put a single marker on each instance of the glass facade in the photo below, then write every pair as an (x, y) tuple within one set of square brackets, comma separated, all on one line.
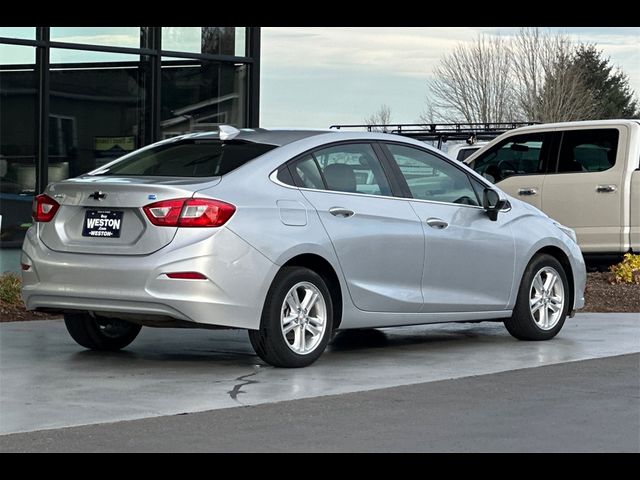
[(74, 98), (214, 40), (198, 94), (119, 90), (18, 150), (114, 36)]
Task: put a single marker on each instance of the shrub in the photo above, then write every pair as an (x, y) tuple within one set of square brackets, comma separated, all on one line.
[(10, 285), (627, 271)]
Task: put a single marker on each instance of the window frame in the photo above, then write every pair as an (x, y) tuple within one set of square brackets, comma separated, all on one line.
[(454, 163)]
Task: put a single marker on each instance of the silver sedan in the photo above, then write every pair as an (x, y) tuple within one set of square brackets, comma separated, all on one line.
[(293, 235)]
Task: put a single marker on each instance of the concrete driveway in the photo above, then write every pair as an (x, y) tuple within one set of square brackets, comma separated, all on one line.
[(47, 381)]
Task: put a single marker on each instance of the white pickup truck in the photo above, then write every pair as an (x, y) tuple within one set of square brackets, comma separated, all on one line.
[(585, 175)]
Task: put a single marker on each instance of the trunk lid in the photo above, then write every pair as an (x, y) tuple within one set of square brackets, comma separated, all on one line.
[(121, 199)]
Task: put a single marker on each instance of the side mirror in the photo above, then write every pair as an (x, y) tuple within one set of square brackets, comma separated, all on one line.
[(492, 203)]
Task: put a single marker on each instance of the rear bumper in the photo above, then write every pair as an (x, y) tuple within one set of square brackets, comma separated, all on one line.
[(238, 278)]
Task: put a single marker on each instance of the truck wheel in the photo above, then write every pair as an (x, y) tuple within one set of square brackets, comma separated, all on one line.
[(100, 333), (543, 301)]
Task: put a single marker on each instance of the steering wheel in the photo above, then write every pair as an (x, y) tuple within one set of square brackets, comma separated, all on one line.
[(507, 162)]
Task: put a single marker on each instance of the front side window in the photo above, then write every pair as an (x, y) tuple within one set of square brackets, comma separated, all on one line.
[(352, 168), (519, 155), (187, 158), (588, 150), (432, 178)]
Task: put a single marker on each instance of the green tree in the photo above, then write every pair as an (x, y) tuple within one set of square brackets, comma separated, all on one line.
[(610, 86)]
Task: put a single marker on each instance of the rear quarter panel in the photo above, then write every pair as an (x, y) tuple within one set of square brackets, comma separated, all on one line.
[(294, 227)]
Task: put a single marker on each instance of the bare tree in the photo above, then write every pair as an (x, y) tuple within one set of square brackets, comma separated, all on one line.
[(473, 83), (381, 117), (431, 113), (532, 77), (565, 97), (550, 86)]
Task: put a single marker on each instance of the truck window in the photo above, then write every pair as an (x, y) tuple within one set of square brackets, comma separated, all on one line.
[(588, 150), (518, 155)]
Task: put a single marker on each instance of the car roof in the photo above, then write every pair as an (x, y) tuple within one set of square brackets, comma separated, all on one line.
[(282, 137), (277, 137)]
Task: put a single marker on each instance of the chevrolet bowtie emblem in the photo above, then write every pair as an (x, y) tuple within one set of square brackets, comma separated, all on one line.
[(98, 195)]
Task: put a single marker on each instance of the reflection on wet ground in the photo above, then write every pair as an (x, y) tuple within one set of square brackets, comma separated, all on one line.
[(47, 381)]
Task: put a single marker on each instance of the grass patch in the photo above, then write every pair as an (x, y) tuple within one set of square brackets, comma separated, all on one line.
[(10, 285)]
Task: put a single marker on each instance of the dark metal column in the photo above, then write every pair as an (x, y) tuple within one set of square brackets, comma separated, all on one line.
[(156, 82), (253, 115), (42, 111), (150, 40)]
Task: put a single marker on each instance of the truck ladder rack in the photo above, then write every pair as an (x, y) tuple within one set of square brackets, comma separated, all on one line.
[(441, 132)]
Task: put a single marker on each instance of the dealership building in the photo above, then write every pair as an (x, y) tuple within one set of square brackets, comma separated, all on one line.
[(74, 98)]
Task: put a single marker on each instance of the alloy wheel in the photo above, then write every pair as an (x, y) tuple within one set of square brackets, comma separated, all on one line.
[(546, 298), (303, 318)]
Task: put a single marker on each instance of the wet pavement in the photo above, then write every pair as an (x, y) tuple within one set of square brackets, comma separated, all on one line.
[(47, 381)]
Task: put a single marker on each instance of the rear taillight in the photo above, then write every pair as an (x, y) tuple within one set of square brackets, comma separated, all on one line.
[(165, 213), (189, 212), (44, 208)]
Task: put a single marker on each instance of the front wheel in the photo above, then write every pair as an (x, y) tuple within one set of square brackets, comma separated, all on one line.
[(100, 333), (297, 319), (543, 301)]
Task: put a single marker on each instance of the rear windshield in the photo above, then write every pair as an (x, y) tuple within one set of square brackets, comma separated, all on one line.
[(188, 158)]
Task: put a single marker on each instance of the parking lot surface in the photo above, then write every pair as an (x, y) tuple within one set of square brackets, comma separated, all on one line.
[(47, 381), (584, 406)]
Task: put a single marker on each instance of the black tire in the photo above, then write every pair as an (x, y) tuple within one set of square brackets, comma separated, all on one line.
[(269, 341), (100, 333), (522, 324)]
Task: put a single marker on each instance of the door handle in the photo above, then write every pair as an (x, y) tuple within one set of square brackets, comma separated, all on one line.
[(606, 188), (341, 212), (528, 191), (437, 223)]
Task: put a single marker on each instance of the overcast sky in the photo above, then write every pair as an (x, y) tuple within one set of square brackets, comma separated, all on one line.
[(317, 76)]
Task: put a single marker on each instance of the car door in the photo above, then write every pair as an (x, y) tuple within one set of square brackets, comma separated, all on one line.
[(584, 188), (517, 165), (377, 238), (469, 259)]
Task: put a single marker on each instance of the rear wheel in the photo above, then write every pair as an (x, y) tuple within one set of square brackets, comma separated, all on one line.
[(100, 333), (543, 301), (297, 319)]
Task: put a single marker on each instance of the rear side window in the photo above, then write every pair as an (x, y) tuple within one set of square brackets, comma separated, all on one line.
[(353, 168), (307, 173), (188, 158), (519, 155), (588, 150)]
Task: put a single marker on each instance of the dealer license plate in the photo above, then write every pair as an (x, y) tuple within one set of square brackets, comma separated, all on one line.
[(102, 223)]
